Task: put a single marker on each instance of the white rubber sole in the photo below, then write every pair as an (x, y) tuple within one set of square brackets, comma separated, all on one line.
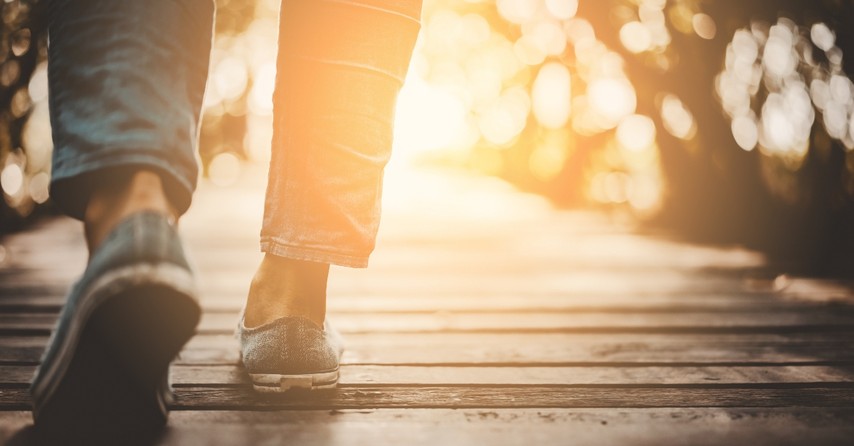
[(275, 383)]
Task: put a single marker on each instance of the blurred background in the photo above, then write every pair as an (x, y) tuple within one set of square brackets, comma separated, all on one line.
[(712, 121)]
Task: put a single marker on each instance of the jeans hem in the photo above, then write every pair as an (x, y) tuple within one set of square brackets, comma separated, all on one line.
[(271, 246), (70, 187)]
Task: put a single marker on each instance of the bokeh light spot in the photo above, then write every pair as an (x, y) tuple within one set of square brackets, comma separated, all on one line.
[(517, 11), (635, 37), (230, 78), (39, 187), (224, 169), (551, 97), (704, 26), (677, 119), (547, 160), (562, 9), (822, 36), (612, 100), (12, 179), (636, 132), (745, 132)]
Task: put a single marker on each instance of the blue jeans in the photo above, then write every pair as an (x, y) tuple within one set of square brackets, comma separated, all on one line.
[(127, 80)]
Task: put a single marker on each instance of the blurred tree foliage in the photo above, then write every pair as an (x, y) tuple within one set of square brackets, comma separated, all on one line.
[(798, 209), (720, 193), (22, 46)]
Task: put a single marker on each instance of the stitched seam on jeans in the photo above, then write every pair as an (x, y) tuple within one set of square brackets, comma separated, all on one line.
[(358, 66), (277, 241), (375, 8), (290, 251)]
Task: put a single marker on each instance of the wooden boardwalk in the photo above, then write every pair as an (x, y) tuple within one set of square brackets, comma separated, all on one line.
[(486, 318)]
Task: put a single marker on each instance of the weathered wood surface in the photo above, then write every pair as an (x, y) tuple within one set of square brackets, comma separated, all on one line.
[(545, 322), (486, 317), (472, 375), (530, 349), (369, 427), (494, 397)]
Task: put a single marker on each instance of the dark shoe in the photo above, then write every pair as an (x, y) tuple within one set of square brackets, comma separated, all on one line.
[(290, 352), (107, 362)]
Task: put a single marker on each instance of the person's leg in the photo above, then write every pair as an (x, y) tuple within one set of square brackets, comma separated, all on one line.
[(126, 83), (341, 65)]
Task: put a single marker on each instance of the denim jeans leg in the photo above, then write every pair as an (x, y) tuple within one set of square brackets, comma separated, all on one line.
[(126, 82), (340, 67)]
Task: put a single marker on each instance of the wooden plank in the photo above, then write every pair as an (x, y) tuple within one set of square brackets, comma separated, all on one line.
[(508, 302), (189, 376), (417, 284), (462, 397), (529, 349), (518, 426), (568, 322), (338, 305), (36, 299), (567, 349), (592, 322), (41, 283), (697, 426), (363, 375), (31, 304), (231, 286)]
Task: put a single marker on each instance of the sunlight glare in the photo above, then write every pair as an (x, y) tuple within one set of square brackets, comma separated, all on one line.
[(428, 117), (503, 122)]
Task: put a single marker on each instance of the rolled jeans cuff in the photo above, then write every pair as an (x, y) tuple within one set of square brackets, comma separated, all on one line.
[(333, 257), (73, 183)]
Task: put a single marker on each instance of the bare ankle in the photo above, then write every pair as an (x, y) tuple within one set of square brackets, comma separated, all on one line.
[(108, 206), (286, 287)]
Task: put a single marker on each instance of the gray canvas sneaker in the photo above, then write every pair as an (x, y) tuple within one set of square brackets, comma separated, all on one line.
[(290, 353), (106, 364)]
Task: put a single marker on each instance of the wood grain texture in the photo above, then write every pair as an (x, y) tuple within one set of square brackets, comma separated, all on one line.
[(430, 397), (366, 375), (695, 426), (50, 301), (567, 322), (588, 349)]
